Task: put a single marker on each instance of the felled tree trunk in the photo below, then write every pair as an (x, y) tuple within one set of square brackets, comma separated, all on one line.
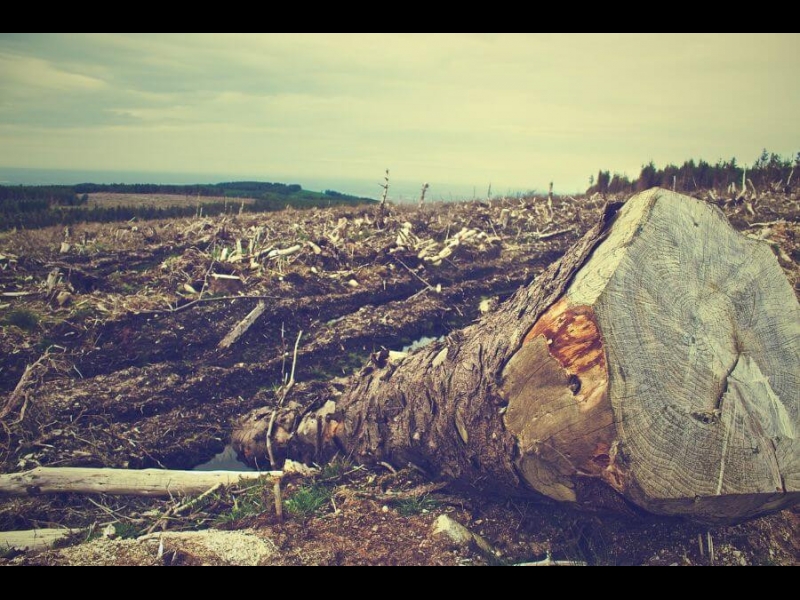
[(658, 361)]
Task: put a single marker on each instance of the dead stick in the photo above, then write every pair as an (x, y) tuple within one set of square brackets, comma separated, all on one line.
[(204, 300), (18, 393), (294, 363), (119, 482), (276, 491), (205, 279), (551, 234), (430, 287), (286, 389), (242, 326), (178, 509)]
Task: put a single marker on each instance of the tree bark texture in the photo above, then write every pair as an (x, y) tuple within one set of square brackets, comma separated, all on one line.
[(658, 361)]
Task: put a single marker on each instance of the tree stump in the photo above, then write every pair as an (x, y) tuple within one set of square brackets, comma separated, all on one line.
[(658, 361)]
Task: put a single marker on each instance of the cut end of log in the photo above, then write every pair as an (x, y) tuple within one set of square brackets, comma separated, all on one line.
[(669, 370), (558, 405)]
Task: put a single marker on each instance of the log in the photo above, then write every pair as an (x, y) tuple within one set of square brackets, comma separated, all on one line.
[(657, 363), (32, 539), (120, 482)]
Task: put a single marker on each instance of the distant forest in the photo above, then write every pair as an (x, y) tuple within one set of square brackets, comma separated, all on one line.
[(769, 172), (41, 206)]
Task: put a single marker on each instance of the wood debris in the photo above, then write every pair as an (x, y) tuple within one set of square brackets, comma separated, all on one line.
[(242, 327)]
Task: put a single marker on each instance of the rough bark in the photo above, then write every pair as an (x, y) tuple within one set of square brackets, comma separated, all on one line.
[(421, 410), (657, 361)]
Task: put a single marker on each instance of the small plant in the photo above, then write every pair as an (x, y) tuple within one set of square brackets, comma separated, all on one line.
[(22, 318), (335, 469), (127, 531), (408, 507), (252, 502), (308, 499)]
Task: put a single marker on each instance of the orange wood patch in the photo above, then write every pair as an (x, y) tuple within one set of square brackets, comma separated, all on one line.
[(572, 335), (573, 339), (559, 408)]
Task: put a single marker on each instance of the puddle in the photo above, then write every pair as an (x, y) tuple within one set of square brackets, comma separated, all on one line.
[(421, 343), (224, 461)]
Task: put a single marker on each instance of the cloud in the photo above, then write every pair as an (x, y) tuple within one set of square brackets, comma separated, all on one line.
[(37, 74), (526, 108)]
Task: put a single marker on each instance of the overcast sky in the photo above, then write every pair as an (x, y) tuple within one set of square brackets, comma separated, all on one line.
[(517, 110)]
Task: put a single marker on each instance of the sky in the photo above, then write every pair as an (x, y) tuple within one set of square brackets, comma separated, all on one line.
[(516, 111)]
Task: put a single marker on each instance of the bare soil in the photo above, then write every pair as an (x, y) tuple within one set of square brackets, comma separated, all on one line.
[(123, 324)]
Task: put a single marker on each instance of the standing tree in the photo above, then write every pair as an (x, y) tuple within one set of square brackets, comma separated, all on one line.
[(658, 361)]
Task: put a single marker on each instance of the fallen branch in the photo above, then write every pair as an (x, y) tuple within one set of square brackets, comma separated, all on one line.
[(18, 396), (549, 562), (428, 285), (552, 234), (179, 508), (285, 251), (203, 301), (120, 482), (32, 539), (205, 278), (243, 325), (767, 223)]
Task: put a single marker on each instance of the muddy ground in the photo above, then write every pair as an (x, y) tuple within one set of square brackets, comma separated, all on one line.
[(120, 326)]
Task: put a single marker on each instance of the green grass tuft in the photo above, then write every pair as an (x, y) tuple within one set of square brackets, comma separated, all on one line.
[(308, 500), (254, 501), (127, 531), (335, 469), (408, 507)]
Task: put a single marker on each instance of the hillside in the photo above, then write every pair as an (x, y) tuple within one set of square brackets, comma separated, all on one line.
[(32, 207)]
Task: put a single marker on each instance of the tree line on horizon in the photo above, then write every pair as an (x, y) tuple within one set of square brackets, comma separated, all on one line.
[(41, 206), (230, 189), (769, 171)]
